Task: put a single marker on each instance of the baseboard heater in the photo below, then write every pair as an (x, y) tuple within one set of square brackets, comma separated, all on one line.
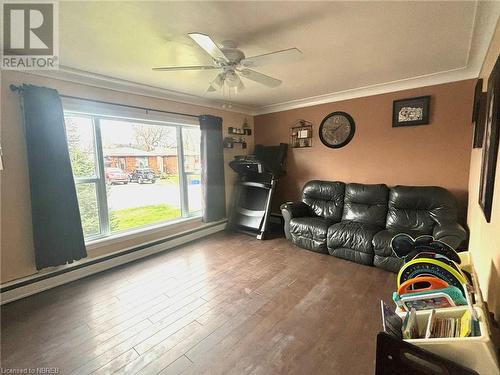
[(18, 289)]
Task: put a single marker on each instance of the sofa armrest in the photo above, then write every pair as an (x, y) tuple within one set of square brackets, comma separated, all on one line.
[(290, 210), (452, 234)]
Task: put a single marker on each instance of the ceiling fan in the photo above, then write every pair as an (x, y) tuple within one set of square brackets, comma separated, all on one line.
[(234, 64)]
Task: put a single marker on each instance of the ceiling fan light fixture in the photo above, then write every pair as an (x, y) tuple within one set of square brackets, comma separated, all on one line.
[(211, 88), (219, 80), (232, 79)]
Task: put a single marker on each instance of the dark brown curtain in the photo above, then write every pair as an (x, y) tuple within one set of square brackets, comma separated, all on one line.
[(57, 228), (212, 169)]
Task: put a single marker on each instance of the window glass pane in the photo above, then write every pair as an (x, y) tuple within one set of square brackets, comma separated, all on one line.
[(80, 136), (141, 173), (192, 167), (89, 213)]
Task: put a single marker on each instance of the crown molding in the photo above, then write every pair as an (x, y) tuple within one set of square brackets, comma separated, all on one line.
[(68, 74), (382, 88)]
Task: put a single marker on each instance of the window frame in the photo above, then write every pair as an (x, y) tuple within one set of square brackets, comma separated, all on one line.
[(99, 180)]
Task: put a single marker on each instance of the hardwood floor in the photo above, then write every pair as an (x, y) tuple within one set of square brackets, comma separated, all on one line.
[(225, 304)]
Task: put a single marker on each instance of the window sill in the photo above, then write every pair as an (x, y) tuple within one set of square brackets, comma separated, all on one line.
[(138, 233)]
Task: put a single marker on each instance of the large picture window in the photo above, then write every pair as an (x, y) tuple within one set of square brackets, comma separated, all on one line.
[(133, 173)]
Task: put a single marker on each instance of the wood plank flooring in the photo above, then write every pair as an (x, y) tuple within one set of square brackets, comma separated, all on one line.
[(227, 304)]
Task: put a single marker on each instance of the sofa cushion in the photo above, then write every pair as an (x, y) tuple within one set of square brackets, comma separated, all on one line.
[(391, 263), (366, 204), (325, 199), (382, 241), (354, 236), (384, 257), (420, 208), (310, 232), (352, 255)]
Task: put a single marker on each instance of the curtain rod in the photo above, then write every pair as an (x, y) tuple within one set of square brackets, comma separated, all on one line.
[(19, 89)]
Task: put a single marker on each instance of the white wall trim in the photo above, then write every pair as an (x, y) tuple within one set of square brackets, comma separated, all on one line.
[(382, 88), (52, 282), (68, 74), (110, 83)]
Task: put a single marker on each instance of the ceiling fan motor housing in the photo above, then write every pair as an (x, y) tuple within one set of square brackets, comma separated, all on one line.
[(233, 54)]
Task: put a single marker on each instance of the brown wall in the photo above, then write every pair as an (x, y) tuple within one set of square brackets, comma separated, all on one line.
[(484, 241), (435, 154), (16, 243)]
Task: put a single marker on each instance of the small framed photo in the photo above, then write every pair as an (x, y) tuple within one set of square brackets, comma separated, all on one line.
[(411, 111)]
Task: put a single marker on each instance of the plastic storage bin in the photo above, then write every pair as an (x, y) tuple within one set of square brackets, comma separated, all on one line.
[(476, 352)]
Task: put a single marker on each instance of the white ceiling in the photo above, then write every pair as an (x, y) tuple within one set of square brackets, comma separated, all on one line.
[(345, 45)]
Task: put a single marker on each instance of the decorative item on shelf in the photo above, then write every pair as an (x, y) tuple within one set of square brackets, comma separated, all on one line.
[(337, 129), (229, 142), (246, 128), (490, 143), (411, 111), (239, 131), (301, 134), (478, 114)]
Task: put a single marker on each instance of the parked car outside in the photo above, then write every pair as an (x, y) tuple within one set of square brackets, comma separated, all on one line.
[(116, 176), (142, 175)]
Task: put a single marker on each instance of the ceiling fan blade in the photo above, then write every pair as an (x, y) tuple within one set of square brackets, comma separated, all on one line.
[(194, 67), (260, 78), (285, 55), (205, 42)]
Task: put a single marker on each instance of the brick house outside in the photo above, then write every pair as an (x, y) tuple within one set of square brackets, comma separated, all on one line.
[(130, 158)]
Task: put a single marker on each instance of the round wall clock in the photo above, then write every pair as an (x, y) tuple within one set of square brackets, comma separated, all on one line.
[(337, 129)]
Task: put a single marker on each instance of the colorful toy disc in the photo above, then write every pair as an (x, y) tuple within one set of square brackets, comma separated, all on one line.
[(405, 246), (439, 257), (417, 285), (431, 267)]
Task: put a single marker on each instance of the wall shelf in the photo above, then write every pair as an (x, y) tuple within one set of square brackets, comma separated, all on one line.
[(229, 142), (239, 131), (301, 134)]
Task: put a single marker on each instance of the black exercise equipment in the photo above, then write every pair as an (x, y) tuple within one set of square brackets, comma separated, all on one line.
[(258, 175)]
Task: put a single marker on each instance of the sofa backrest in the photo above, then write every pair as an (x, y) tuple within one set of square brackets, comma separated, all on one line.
[(325, 198), (366, 203), (420, 208)]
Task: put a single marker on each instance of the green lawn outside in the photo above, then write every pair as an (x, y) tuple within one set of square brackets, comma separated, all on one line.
[(171, 179), (140, 216)]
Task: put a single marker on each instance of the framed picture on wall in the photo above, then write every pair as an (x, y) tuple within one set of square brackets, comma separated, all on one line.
[(411, 111), (478, 114), (490, 144)]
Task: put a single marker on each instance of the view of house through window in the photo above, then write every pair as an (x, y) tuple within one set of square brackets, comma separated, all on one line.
[(132, 173)]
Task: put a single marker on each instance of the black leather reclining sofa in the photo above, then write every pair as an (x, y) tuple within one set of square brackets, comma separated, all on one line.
[(357, 221)]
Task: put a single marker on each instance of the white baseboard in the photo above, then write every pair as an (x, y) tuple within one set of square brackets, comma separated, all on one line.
[(78, 273)]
